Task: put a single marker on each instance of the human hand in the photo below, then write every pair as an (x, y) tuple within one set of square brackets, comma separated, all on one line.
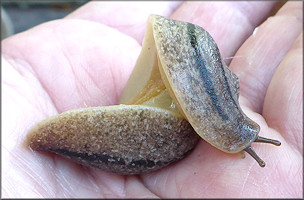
[(85, 60)]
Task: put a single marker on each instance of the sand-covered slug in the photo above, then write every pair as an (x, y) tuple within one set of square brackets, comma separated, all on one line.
[(180, 86)]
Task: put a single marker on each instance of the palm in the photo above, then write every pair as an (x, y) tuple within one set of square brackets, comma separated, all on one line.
[(75, 63)]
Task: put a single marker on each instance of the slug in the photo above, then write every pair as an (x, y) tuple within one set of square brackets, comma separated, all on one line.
[(180, 90)]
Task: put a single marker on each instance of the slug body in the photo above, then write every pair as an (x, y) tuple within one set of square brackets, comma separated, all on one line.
[(204, 87), (180, 85)]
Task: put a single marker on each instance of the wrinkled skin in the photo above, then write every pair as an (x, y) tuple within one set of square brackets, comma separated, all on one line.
[(85, 60)]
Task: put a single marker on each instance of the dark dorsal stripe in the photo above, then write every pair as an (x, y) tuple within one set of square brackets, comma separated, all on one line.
[(206, 76), (227, 85)]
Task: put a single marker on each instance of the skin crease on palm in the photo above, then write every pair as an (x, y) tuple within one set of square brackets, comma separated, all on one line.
[(85, 60)]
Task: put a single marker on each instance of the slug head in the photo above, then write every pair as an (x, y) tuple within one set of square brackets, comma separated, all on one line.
[(250, 128)]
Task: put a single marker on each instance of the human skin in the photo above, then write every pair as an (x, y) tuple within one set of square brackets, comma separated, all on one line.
[(85, 60)]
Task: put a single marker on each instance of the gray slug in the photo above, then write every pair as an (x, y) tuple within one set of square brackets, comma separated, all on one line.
[(180, 85)]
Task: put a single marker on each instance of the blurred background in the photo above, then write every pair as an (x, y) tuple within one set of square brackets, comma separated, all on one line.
[(18, 16)]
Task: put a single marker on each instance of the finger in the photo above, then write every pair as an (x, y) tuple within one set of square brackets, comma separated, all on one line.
[(128, 17), (86, 67), (257, 60), (229, 23), (283, 106)]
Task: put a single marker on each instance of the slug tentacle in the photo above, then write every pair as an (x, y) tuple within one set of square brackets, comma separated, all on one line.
[(250, 150), (255, 156), (267, 140)]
